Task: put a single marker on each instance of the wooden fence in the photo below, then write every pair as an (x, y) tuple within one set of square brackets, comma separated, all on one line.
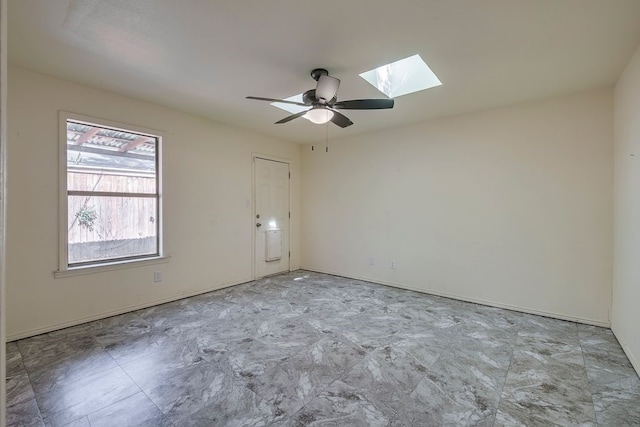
[(115, 218)]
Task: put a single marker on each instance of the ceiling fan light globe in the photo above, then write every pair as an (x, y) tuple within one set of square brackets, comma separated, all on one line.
[(319, 116)]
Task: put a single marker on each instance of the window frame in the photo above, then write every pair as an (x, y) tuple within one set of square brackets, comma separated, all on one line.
[(64, 269)]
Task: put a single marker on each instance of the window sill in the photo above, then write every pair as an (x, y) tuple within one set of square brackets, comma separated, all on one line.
[(99, 268)]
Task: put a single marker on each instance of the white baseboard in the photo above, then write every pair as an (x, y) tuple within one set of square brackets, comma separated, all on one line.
[(57, 326), (75, 322), (632, 357), (473, 300)]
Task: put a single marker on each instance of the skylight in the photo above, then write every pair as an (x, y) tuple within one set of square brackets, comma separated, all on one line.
[(293, 109), (405, 76)]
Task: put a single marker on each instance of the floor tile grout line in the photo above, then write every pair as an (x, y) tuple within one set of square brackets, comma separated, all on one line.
[(445, 348), (124, 371), (183, 343), (346, 373), (104, 407), (506, 375), (328, 384), (30, 383), (139, 387), (340, 377), (586, 370), (116, 362)]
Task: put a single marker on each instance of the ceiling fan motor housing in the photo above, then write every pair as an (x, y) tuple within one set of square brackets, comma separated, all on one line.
[(317, 72), (309, 98)]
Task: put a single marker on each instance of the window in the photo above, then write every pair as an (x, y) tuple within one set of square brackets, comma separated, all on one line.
[(111, 188)]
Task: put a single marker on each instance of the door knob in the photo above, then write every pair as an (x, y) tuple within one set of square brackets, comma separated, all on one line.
[(258, 224)]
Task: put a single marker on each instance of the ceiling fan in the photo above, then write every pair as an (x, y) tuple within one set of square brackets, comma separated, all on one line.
[(324, 103)]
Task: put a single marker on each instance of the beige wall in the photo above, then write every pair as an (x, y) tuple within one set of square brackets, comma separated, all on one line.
[(625, 319), (208, 225), (511, 207)]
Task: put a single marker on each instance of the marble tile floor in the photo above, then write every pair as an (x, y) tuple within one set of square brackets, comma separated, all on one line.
[(311, 349)]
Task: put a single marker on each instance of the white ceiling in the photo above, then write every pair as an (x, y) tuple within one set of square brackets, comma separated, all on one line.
[(205, 56)]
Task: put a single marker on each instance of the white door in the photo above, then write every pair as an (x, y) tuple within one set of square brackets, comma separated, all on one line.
[(271, 217)]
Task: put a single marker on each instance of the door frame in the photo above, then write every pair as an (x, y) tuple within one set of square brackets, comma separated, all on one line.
[(3, 206), (268, 157)]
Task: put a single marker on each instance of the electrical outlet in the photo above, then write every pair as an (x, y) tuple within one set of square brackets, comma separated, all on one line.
[(372, 260), (393, 264), (157, 276)]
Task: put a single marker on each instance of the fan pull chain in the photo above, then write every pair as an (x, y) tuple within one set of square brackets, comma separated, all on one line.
[(326, 138)]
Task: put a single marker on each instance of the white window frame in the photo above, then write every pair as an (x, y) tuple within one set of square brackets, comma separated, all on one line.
[(64, 269)]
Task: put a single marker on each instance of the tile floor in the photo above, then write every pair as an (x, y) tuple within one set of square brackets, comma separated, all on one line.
[(312, 349)]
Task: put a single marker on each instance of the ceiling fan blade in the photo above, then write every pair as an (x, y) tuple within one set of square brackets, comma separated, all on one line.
[(327, 87), (364, 104), (291, 117), (257, 98), (340, 119)]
